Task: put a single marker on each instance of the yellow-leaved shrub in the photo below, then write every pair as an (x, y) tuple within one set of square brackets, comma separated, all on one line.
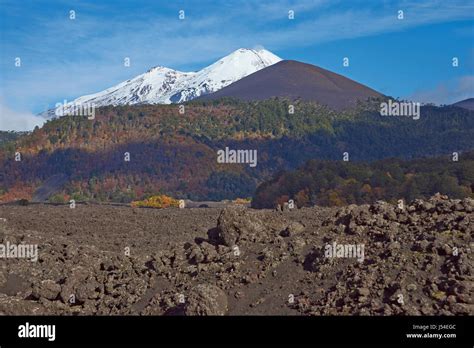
[(160, 201)]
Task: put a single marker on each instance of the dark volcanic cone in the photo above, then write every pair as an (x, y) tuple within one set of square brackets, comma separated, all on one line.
[(295, 80)]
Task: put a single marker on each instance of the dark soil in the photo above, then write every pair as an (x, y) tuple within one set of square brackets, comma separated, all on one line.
[(237, 261)]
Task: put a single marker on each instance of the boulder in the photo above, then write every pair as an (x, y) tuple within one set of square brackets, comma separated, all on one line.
[(235, 222), (292, 229), (207, 299), (48, 289)]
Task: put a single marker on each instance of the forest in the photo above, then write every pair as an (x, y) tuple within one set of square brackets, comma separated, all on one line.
[(176, 154), (338, 183)]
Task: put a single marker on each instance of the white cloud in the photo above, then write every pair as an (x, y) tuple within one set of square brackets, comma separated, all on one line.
[(447, 93), (11, 120)]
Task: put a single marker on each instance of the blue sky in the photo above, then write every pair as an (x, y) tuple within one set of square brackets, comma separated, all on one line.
[(63, 58)]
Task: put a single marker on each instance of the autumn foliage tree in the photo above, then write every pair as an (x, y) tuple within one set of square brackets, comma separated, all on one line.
[(160, 201)]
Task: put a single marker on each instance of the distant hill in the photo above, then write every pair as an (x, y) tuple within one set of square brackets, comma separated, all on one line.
[(466, 104), (7, 136), (296, 80), (337, 183), (177, 154)]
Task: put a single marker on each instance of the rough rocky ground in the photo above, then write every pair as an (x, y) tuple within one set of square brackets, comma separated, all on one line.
[(238, 261)]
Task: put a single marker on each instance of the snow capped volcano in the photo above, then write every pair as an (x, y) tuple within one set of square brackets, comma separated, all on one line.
[(151, 87), (225, 71), (161, 85)]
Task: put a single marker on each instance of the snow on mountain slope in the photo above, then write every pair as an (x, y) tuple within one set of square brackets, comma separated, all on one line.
[(150, 87), (225, 71), (162, 85)]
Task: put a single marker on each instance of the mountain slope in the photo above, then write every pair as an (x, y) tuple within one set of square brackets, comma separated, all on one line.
[(177, 155), (465, 104), (296, 80), (329, 183), (161, 85)]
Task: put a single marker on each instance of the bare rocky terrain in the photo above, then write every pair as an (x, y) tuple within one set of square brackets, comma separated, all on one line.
[(117, 260)]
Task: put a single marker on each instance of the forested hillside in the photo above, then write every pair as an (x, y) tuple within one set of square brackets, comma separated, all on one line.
[(337, 183), (175, 153), (9, 136)]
